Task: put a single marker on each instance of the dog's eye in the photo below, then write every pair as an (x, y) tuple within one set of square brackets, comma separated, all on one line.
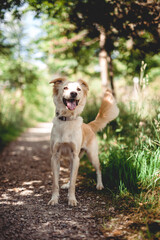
[(65, 88), (78, 89)]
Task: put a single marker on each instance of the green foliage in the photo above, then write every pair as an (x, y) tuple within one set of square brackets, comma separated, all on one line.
[(11, 112), (130, 145), (17, 73), (132, 169), (20, 108), (132, 156), (128, 58), (130, 149), (90, 110), (39, 102), (4, 47), (131, 30), (14, 6), (66, 52), (25, 94)]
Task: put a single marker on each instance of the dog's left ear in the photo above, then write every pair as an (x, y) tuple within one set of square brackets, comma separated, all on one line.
[(83, 84)]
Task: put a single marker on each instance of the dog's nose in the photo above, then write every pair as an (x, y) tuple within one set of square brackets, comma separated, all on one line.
[(73, 94)]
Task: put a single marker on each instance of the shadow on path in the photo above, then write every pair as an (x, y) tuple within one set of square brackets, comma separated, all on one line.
[(25, 187)]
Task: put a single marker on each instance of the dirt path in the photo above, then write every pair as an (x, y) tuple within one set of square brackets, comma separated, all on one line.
[(25, 189)]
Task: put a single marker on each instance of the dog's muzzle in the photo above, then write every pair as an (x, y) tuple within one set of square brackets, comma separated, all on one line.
[(71, 103)]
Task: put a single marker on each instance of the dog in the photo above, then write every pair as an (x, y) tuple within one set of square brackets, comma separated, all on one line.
[(70, 137)]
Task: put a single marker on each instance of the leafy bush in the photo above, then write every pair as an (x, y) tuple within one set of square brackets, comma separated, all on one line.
[(11, 115), (133, 150), (129, 148), (90, 110), (20, 108)]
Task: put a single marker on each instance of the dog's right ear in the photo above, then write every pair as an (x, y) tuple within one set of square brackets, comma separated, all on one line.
[(57, 82)]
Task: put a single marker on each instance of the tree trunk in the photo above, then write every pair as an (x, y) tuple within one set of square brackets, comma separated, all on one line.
[(103, 60), (111, 74)]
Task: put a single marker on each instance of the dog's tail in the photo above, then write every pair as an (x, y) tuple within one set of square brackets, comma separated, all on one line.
[(107, 112)]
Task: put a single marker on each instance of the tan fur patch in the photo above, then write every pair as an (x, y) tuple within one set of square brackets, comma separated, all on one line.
[(57, 83), (84, 86), (87, 134)]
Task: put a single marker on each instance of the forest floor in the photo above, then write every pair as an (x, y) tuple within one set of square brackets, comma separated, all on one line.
[(25, 187)]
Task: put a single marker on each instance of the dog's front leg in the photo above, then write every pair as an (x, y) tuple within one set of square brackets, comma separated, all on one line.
[(73, 176), (55, 164)]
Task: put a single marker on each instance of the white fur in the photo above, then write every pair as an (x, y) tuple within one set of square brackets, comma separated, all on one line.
[(69, 139)]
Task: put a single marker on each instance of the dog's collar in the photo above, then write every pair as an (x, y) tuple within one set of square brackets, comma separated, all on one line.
[(63, 118)]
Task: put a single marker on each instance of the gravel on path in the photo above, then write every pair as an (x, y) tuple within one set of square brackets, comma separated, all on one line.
[(25, 189)]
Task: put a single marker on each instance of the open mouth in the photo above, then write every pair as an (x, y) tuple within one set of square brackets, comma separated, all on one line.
[(71, 104)]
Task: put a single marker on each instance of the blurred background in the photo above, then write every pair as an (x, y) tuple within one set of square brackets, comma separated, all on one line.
[(108, 43)]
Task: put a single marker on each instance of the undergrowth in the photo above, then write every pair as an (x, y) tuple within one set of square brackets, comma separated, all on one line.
[(129, 152), (21, 108)]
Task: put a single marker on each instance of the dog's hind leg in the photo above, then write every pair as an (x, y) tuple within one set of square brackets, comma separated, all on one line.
[(55, 164), (92, 153)]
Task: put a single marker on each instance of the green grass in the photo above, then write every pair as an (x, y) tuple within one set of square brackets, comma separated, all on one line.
[(132, 169), (8, 134), (129, 152), (129, 149)]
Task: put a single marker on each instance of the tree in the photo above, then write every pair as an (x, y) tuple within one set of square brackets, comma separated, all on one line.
[(109, 20), (66, 51), (15, 70), (11, 6), (117, 19)]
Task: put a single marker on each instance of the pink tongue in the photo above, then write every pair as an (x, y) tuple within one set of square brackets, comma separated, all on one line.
[(71, 105)]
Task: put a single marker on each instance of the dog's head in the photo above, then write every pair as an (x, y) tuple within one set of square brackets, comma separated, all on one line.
[(70, 96)]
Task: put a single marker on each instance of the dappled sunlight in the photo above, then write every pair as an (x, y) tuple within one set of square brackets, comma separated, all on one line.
[(111, 45), (35, 138), (23, 196), (31, 182), (26, 192), (5, 196), (36, 158), (41, 128), (45, 146), (64, 169), (33, 134), (8, 199), (20, 148), (12, 203), (26, 186), (10, 195), (21, 181)]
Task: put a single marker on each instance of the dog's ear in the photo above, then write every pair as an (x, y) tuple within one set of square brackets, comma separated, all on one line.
[(57, 82), (84, 85)]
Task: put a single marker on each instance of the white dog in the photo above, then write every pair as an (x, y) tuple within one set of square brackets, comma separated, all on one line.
[(70, 137)]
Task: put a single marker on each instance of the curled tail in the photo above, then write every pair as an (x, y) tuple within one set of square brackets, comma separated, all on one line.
[(107, 112)]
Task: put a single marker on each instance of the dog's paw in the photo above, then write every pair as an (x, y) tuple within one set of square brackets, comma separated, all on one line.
[(99, 186), (53, 201), (72, 202), (65, 186)]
